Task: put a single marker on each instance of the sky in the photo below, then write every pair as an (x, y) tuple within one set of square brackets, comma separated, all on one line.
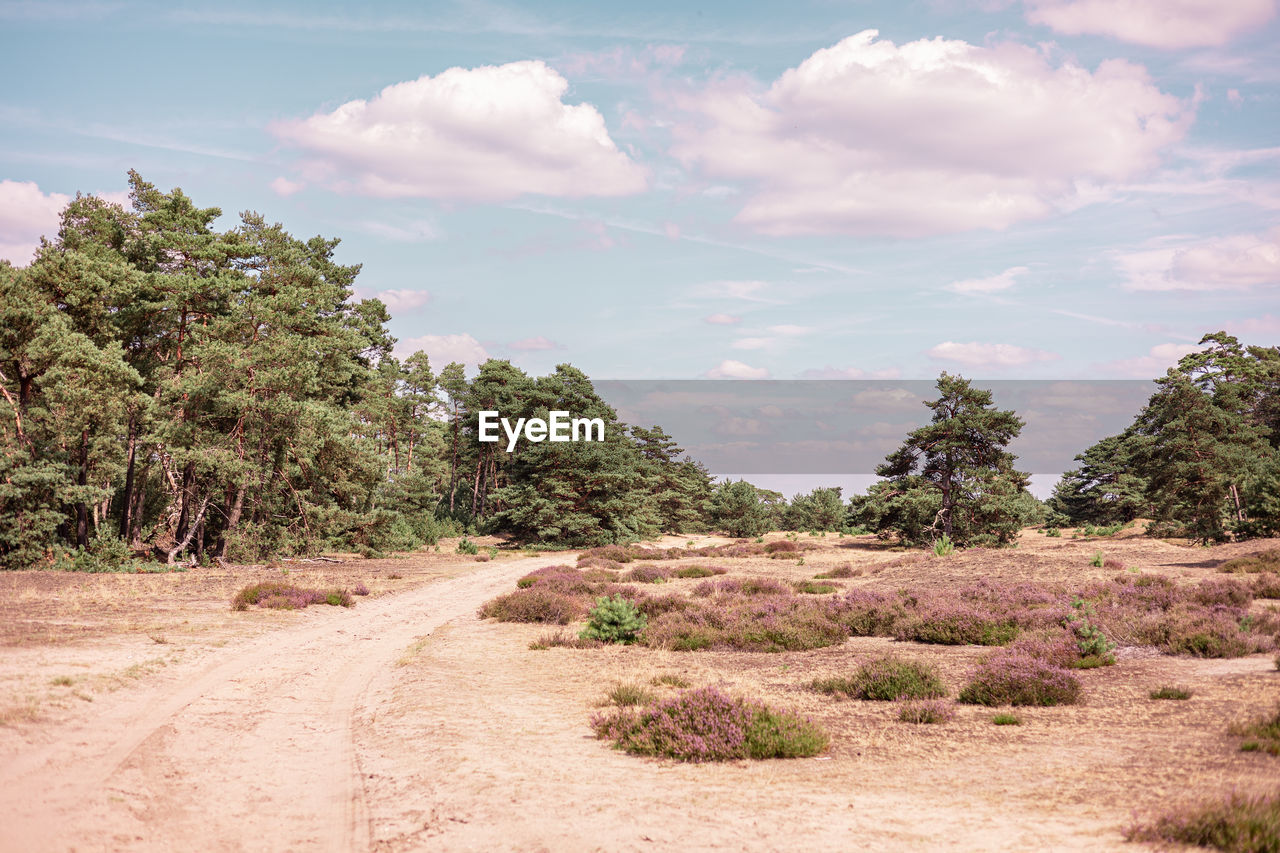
[(1041, 189)]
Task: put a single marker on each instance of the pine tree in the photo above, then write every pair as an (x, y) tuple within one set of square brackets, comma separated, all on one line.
[(956, 468)]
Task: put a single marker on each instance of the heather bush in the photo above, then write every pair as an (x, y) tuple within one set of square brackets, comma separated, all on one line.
[(955, 624), (276, 595), (742, 586), (1200, 632), (758, 623), (1239, 824), (705, 724), (1263, 561), (647, 573), (782, 546), (1266, 585), (1263, 732), (360, 589), (1113, 564), (1011, 677), (612, 553), (1168, 692), (1006, 720), (886, 679), (535, 604), (1222, 591), (563, 639), (656, 605), (925, 711), (867, 613), (843, 571), (698, 572), (811, 588)]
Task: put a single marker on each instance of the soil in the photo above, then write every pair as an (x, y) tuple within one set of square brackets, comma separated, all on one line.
[(140, 713)]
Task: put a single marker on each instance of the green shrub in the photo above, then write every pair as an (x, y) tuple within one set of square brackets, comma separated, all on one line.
[(705, 724), (1052, 532), (886, 679), (1263, 732), (1263, 561), (1097, 560), (624, 695), (466, 546), (811, 588), (944, 546), (1239, 824), (614, 620), (1171, 693), (1006, 720)]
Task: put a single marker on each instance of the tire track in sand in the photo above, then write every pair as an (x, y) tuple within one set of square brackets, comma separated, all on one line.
[(253, 751)]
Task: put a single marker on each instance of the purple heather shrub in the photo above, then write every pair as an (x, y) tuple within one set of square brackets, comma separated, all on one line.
[(758, 623), (782, 546), (534, 604), (866, 612), (705, 724), (275, 595), (360, 589), (742, 586), (1195, 630), (1266, 585), (955, 623), (655, 605), (647, 573), (926, 711), (1222, 591), (1014, 677)]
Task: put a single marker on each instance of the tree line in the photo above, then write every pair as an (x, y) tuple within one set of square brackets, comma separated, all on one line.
[(171, 388)]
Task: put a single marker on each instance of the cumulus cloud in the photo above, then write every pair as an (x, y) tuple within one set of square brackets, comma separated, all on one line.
[(398, 301), (482, 134), (442, 349), (535, 344), (975, 354), (991, 284), (1155, 23), (1157, 360), (730, 369), (26, 214), (284, 187), (1237, 262), (722, 319), (933, 136)]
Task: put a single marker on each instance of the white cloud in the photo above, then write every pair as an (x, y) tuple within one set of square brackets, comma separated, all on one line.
[(535, 344), (1237, 262), (27, 214), (991, 284), (977, 354), (411, 232), (933, 136), (747, 291), (722, 319), (730, 369), (1267, 324), (1156, 23), (399, 301), (790, 331), (1154, 364), (482, 134), (285, 187), (442, 349), (830, 372)]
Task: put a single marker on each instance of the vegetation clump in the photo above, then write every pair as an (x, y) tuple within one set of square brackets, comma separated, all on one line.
[(535, 604), (1238, 824), (1262, 733), (1167, 692), (276, 595), (886, 678), (614, 620), (705, 724), (1263, 561), (926, 711), (1012, 677)]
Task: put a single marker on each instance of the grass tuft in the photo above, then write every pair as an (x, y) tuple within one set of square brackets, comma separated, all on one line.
[(1168, 692), (886, 679), (1239, 824)]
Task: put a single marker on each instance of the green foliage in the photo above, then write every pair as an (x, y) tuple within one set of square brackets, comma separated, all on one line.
[(627, 694), (1006, 720), (886, 679), (943, 547), (1097, 560), (952, 476), (822, 509), (739, 509), (1262, 731), (614, 620), (1238, 824), (466, 546), (1171, 693)]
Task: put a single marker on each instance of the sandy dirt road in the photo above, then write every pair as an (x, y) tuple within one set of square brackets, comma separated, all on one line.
[(250, 750)]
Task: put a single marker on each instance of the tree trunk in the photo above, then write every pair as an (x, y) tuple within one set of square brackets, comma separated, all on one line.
[(233, 520), (82, 511), (191, 531), (126, 505)]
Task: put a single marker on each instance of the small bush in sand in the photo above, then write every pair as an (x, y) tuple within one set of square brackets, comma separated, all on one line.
[(811, 588), (647, 573), (705, 724), (466, 546), (669, 679), (1168, 692), (1006, 720), (1012, 677), (885, 679), (628, 694), (843, 571), (1262, 732), (563, 639), (923, 711), (534, 604), (1238, 824), (614, 620), (698, 572), (1263, 561), (276, 595)]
